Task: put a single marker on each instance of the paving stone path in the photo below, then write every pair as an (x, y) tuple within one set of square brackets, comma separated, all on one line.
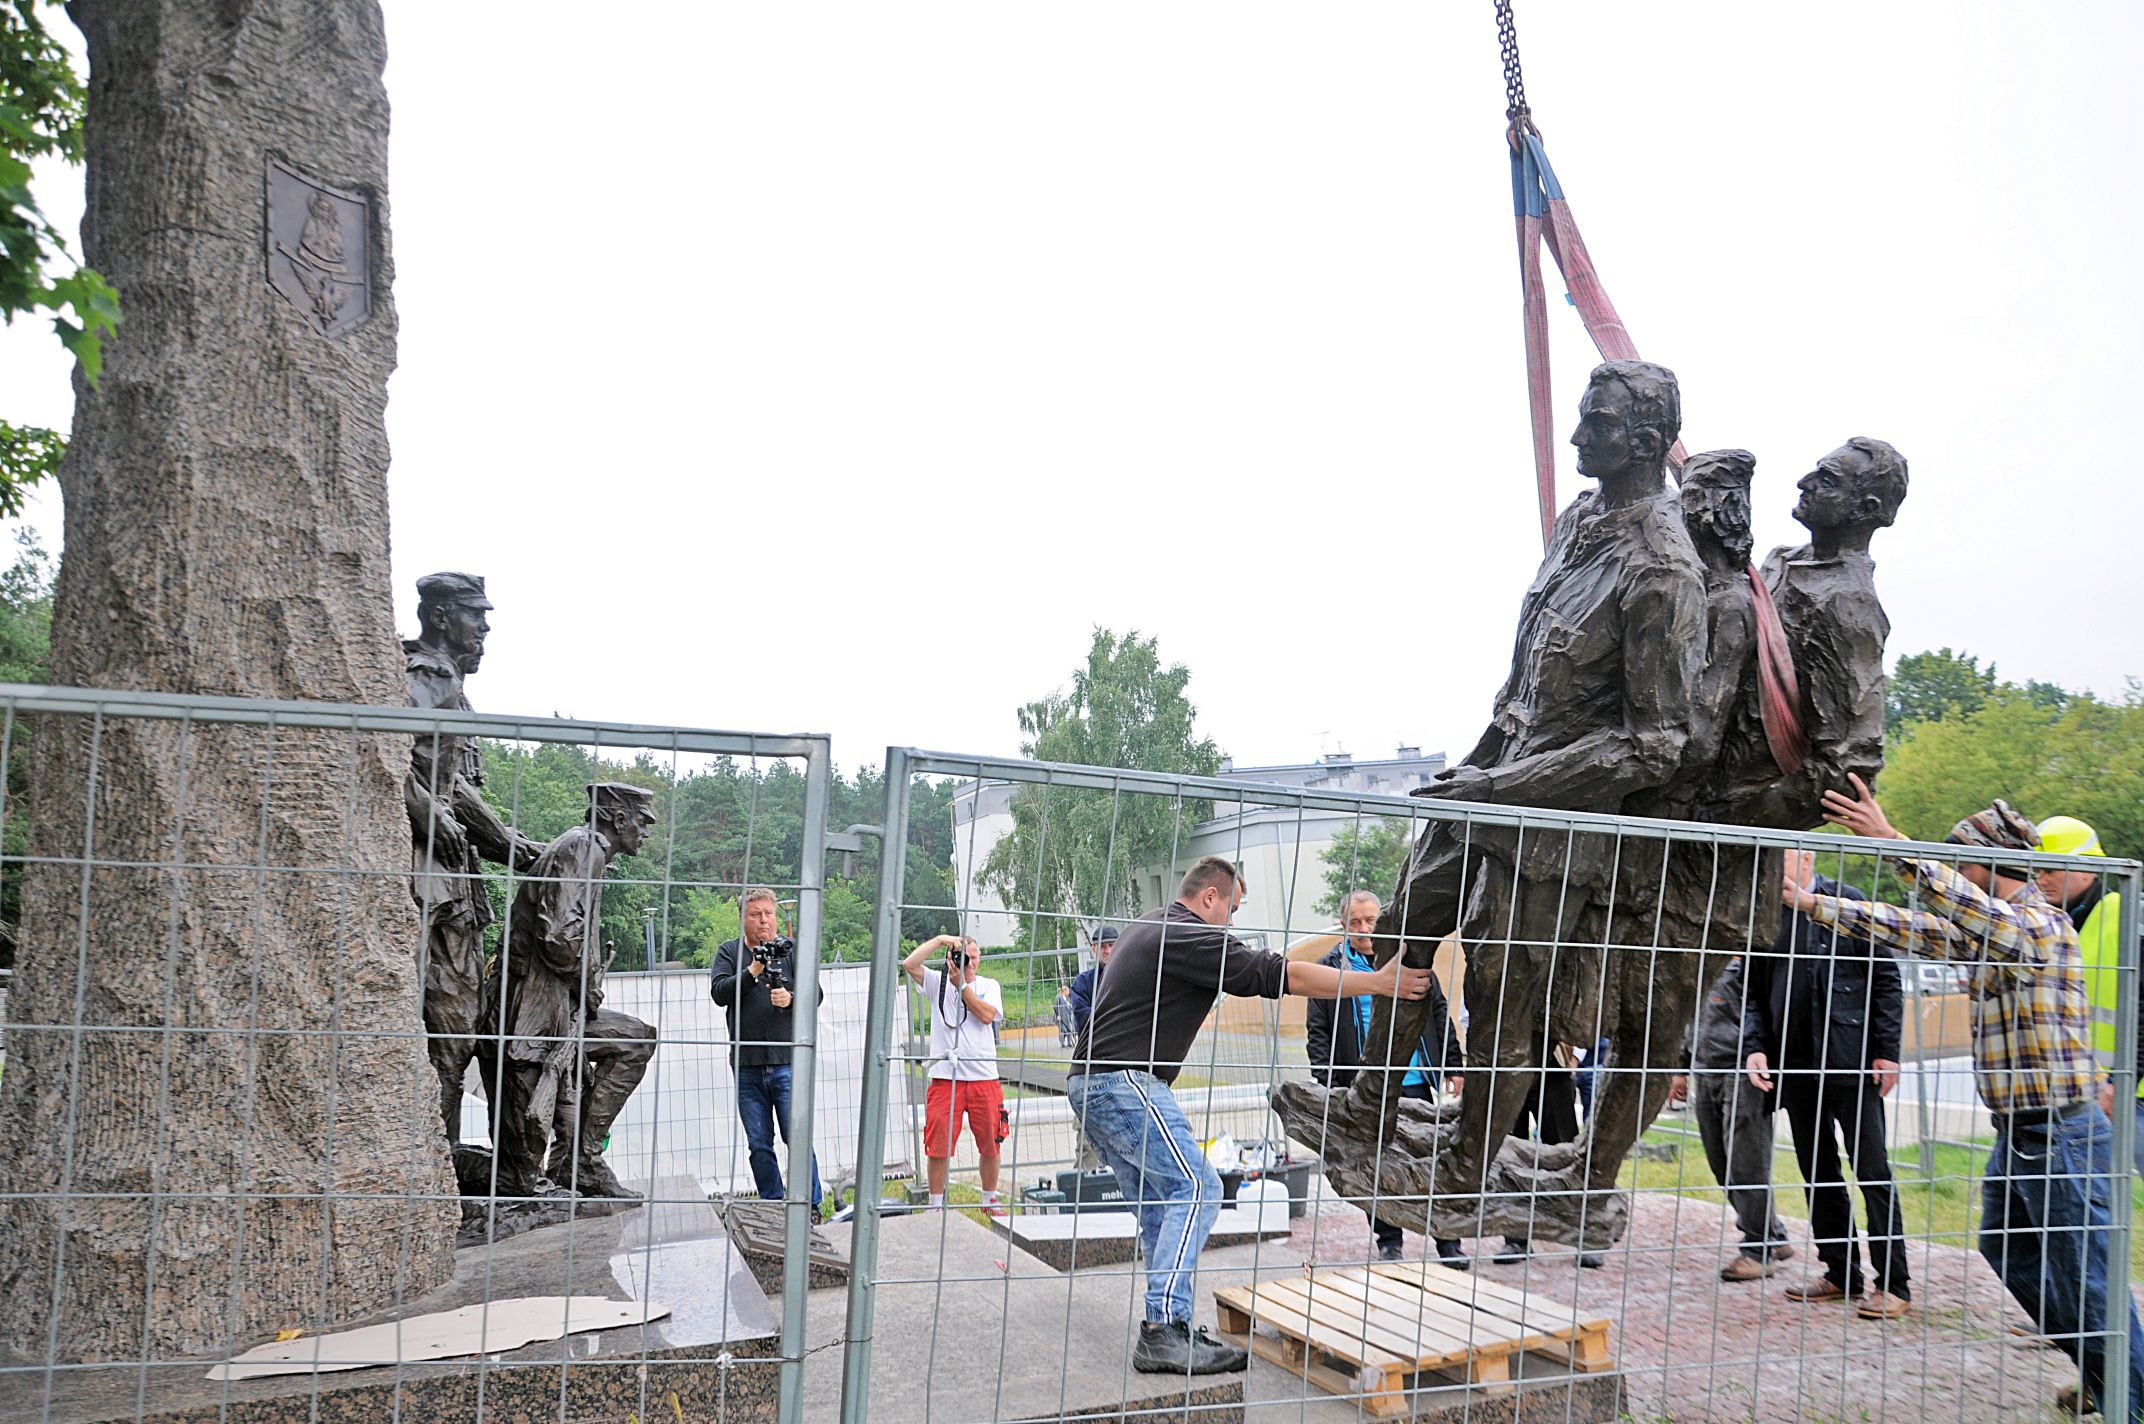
[(1696, 1348)]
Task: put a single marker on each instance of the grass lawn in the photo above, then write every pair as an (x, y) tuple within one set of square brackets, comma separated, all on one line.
[(1942, 1205)]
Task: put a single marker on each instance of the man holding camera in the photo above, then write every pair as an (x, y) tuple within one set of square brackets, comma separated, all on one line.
[(751, 979), (964, 1006)]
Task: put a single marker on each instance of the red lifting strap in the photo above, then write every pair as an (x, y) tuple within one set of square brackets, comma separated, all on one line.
[(1543, 215)]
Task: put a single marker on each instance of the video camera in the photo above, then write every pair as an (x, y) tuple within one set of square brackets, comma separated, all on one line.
[(773, 960)]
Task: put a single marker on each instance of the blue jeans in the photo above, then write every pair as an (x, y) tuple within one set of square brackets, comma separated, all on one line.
[(1137, 1127), (762, 1103), (2044, 1224)]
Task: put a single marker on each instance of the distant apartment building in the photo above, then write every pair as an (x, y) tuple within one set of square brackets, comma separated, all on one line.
[(1277, 844)]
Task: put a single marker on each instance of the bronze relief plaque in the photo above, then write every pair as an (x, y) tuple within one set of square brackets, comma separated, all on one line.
[(319, 249)]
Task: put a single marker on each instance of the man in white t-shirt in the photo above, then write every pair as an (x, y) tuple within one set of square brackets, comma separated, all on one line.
[(964, 1006)]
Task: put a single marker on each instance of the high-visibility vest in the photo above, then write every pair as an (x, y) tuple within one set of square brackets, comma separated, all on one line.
[(2099, 944)]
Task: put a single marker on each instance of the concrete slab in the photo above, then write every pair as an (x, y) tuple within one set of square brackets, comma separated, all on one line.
[(969, 1326), (1083, 1240)]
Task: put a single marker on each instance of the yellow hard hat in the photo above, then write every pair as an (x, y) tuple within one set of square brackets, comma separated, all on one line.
[(2066, 835)]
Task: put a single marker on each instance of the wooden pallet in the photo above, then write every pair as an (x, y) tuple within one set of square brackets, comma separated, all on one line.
[(1369, 1331)]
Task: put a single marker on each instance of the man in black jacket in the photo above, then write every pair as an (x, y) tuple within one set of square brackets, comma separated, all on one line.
[(1828, 1011), (1338, 1029), (751, 979)]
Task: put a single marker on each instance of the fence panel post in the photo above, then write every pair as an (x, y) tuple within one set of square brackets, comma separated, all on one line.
[(2123, 1071), (804, 1074), (877, 1082)]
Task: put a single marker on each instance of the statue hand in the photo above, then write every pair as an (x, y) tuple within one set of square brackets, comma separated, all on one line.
[(448, 843), (1458, 783), (526, 852)]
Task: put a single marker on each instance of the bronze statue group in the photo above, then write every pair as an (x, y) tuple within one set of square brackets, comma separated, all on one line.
[(1637, 688), (556, 1065)]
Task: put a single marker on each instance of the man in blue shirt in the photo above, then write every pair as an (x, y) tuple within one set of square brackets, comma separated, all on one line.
[(1083, 983), (1339, 1029)]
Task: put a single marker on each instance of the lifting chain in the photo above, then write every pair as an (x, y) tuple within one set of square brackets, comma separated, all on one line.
[(1507, 37)]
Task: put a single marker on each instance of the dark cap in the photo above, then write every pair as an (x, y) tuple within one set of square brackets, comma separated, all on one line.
[(464, 589), (617, 796), (1105, 934), (1998, 828)]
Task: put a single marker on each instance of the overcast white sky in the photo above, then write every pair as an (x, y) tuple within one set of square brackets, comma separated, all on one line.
[(885, 350)]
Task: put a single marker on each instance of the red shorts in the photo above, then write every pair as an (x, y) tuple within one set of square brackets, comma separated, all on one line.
[(981, 1102)]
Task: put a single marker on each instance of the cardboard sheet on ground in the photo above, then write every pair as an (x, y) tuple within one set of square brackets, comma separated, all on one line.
[(442, 1335)]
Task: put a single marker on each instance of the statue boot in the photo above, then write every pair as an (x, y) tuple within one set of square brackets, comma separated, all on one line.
[(587, 1176)]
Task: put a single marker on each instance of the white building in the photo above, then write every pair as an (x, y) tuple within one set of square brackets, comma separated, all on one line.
[(982, 816), (1277, 846)]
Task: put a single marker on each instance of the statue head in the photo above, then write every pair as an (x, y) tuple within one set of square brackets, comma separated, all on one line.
[(1627, 420), (1715, 504), (621, 813), (450, 617), (1853, 491)]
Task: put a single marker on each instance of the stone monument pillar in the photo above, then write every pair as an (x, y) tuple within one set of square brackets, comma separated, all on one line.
[(226, 533)]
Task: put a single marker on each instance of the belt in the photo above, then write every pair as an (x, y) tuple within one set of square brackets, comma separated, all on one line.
[(2040, 1119)]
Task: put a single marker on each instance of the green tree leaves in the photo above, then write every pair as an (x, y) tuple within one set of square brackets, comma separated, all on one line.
[(1925, 687), (2082, 758), (1072, 853), (42, 104), (1363, 856), (720, 827), (25, 656)]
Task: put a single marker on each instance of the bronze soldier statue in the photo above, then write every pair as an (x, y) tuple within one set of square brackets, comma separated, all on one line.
[(564, 1065), (454, 830), (1835, 624), (1595, 716), (1694, 897)]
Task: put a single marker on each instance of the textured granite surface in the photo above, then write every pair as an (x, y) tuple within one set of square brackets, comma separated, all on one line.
[(715, 1351)]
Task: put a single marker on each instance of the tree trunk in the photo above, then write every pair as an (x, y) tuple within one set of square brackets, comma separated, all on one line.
[(226, 532)]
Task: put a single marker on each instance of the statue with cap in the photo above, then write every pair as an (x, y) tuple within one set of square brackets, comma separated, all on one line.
[(561, 1065), (453, 830)]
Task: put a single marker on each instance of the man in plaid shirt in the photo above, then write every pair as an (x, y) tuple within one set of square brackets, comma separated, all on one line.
[(2044, 1212)]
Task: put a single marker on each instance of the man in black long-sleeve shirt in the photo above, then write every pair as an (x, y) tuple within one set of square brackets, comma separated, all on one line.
[(750, 979), (1169, 967)]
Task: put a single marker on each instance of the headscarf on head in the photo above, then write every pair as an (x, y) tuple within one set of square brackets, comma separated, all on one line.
[(1998, 828)]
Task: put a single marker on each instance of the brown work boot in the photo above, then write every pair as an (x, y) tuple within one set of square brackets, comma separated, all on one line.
[(1882, 1305), (1819, 1290), (1747, 1268)]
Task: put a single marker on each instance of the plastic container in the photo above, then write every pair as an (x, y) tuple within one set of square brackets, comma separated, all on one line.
[(1297, 1171), (1267, 1202)]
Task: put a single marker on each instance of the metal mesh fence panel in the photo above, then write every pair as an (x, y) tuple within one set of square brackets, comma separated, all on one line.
[(1700, 1156), (359, 1062)]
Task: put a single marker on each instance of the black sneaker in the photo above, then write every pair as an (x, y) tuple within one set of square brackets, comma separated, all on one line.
[(1175, 1349), (1391, 1251), (1449, 1254), (1592, 1260), (1512, 1252)]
